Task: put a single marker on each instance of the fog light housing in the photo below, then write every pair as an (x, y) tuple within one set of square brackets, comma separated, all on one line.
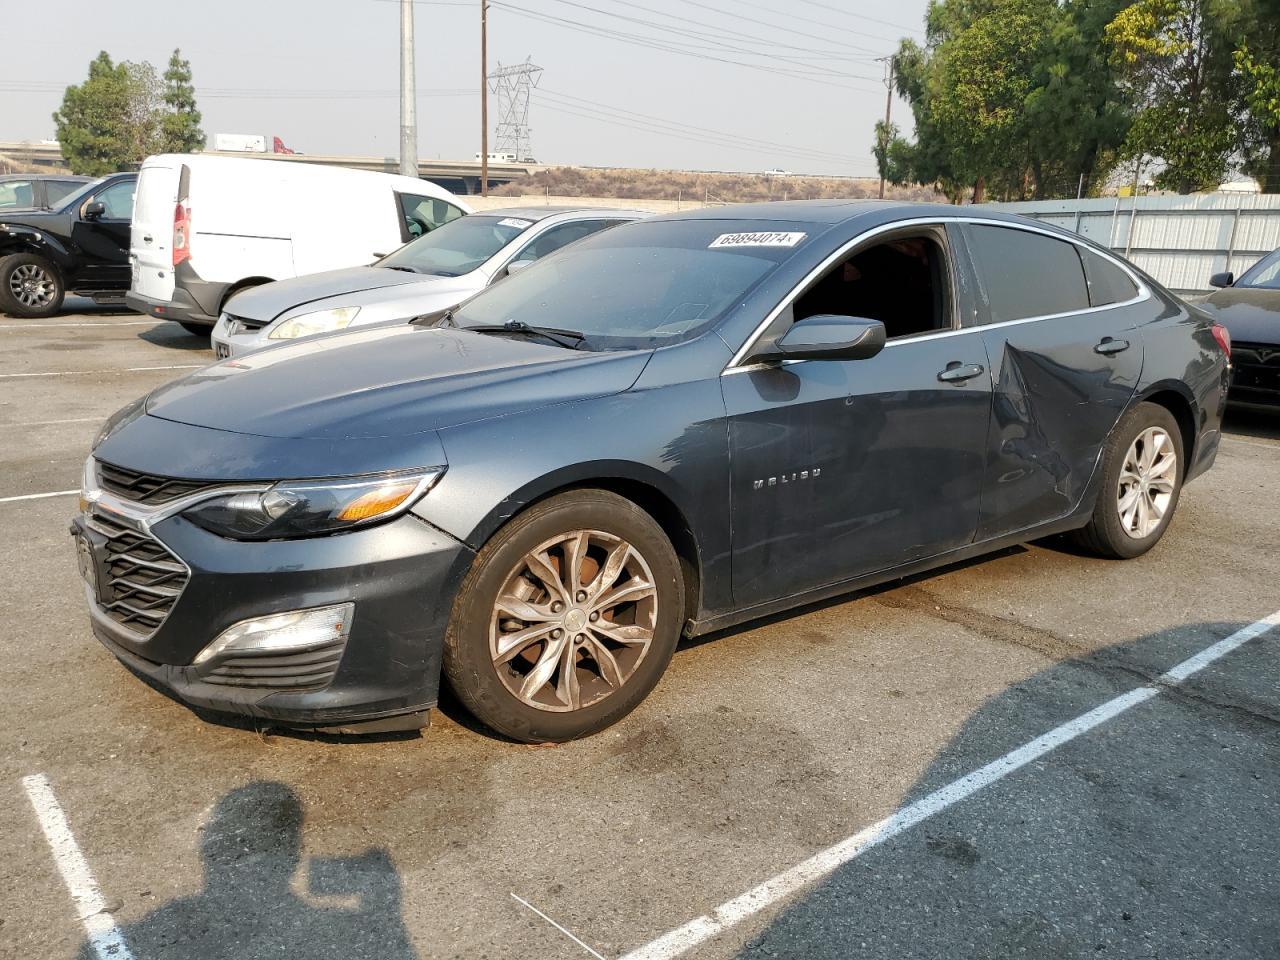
[(291, 632)]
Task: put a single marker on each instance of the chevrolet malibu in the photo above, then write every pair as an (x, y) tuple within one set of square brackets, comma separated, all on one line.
[(667, 429)]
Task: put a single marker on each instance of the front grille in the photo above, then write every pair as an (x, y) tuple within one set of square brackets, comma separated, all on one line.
[(1256, 366), (291, 671), (143, 579), (148, 488), (244, 324)]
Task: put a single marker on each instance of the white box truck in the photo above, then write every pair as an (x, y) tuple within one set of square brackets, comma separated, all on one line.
[(240, 142), (206, 227)]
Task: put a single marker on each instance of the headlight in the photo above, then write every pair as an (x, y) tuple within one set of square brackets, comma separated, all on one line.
[(125, 415), (309, 324), (306, 508)]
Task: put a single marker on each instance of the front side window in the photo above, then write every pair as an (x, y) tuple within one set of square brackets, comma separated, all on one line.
[(902, 282), (652, 284), (118, 200), (424, 214), (17, 194), (561, 236), (458, 247), (1028, 274), (1264, 274)]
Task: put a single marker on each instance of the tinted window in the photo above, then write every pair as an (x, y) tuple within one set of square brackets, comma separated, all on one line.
[(1028, 274), (458, 247), (562, 236), (118, 200), (17, 193), (1265, 273), (645, 284), (1107, 282), (57, 190), (424, 214)]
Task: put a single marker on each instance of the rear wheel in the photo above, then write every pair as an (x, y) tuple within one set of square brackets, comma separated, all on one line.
[(567, 619), (30, 286), (1142, 475)]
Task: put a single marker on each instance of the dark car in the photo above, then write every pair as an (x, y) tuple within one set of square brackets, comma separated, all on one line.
[(669, 428), (36, 191), (1249, 307), (81, 246)]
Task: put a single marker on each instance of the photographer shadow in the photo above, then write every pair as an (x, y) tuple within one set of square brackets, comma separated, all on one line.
[(251, 848)]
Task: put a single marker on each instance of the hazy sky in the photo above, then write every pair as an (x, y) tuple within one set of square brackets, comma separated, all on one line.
[(323, 75)]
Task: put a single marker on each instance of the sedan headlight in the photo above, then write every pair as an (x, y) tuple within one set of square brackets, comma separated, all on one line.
[(307, 508), (309, 324)]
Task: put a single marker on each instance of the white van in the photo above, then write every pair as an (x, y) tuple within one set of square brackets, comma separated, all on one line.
[(205, 228)]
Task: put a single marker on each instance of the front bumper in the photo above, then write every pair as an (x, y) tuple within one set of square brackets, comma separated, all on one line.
[(1257, 373), (230, 341), (401, 576)]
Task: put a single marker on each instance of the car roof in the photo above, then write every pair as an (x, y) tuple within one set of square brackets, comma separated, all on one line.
[(542, 213), (43, 176)]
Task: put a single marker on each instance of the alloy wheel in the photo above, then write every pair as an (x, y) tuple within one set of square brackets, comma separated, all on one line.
[(573, 620), (1147, 481), (32, 286)]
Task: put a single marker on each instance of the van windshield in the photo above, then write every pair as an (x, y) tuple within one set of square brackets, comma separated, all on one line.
[(457, 247)]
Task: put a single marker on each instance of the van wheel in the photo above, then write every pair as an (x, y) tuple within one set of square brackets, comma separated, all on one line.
[(1142, 474), (567, 618), (201, 330), (30, 286)]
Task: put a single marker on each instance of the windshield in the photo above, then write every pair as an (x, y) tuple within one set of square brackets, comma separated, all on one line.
[(642, 284), (74, 199), (1264, 274), (457, 247)]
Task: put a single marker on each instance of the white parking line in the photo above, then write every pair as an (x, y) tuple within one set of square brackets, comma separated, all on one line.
[(1254, 443), (104, 936), (80, 373), (589, 950), (38, 496), (105, 323), (823, 864)]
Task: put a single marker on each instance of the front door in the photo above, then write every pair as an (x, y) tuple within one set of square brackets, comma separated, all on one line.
[(104, 240), (844, 468)]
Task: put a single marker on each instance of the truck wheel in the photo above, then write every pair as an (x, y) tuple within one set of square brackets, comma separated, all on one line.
[(567, 618), (30, 286)]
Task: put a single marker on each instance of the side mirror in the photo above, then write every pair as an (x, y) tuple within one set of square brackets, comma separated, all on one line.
[(515, 266), (94, 210), (1225, 279), (378, 256), (830, 337)]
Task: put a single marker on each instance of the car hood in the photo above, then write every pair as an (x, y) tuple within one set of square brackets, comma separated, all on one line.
[(389, 381), (1251, 315), (268, 301)]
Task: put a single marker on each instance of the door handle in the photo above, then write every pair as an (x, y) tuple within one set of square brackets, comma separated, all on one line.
[(1107, 346), (957, 372), (147, 238)]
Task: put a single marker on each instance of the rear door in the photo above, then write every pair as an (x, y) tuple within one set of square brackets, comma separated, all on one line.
[(1066, 358), (151, 239)]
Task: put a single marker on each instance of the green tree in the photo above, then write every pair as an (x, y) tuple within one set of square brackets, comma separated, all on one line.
[(1175, 62), (1257, 60), (181, 121)]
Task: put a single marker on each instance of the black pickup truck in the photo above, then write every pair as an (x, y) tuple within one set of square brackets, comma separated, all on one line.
[(81, 246)]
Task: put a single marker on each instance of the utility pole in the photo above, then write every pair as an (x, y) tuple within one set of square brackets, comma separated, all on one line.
[(408, 95), (484, 98), (889, 62)]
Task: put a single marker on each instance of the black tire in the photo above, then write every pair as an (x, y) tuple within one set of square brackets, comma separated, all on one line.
[(1105, 534), (468, 663), (202, 330), (42, 271)]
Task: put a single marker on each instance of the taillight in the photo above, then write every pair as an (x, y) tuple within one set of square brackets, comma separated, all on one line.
[(1223, 336), (181, 233)]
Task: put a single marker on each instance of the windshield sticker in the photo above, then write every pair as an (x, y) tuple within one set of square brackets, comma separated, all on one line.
[(515, 222), (756, 240)]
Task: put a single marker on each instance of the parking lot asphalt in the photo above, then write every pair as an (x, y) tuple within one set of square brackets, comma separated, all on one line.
[(1149, 834)]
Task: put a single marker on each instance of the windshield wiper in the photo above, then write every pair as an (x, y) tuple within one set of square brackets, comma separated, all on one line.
[(565, 338), (399, 267)]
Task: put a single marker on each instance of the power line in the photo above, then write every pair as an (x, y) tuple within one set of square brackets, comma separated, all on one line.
[(861, 16), (824, 23)]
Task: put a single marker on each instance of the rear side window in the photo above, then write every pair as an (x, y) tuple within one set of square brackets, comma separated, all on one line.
[(423, 214), (1107, 282), (1028, 274), (17, 193)]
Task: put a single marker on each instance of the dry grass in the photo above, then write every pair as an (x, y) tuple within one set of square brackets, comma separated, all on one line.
[(691, 186)]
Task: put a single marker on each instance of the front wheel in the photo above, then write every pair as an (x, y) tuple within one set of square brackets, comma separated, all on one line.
[(567, 619), (202, 330), (30, 286), (1142, 476)]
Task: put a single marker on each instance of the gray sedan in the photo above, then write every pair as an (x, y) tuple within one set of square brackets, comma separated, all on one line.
[(430, 274)]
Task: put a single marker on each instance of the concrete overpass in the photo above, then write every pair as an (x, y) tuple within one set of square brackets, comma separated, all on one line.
[(460, 176)]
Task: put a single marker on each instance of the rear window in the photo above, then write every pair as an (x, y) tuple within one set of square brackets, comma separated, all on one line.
[(1107, 282), (1028, 274), (156, 196)]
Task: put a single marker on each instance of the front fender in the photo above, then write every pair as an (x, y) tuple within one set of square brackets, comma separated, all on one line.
[(19, 238)]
